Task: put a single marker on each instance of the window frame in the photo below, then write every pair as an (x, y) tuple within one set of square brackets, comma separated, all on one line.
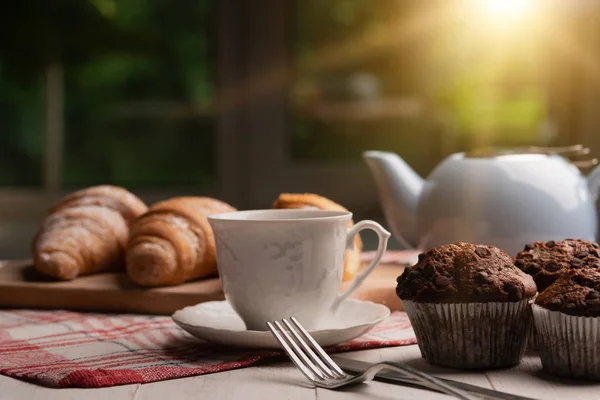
[(267, 120), (28, 205)]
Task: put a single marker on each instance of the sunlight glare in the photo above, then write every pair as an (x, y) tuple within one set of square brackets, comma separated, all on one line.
[(506, 9)]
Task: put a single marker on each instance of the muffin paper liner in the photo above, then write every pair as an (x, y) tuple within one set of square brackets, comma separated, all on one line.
[(569, 346), (531, 343), (471, 335)]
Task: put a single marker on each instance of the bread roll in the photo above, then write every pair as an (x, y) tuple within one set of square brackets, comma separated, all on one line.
[(352, 257)]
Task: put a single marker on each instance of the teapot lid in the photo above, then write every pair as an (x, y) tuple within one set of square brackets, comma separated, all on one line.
[(566, 151)]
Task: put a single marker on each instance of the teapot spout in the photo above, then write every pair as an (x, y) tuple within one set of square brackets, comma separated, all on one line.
[(399, 188), (593, 180)]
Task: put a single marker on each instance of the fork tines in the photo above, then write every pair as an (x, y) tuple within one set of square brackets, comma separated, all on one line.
[(304, 351)]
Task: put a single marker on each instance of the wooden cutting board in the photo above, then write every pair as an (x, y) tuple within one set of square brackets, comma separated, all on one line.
[(21, 286)]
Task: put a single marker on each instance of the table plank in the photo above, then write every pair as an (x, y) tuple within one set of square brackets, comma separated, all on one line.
[(379, 391), (256, 383), (411, 356), (528, 379), (13, 389), (280, 381), (284, 381)]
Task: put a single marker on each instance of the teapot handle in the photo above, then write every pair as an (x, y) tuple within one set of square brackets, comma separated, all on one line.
[(593, 182)]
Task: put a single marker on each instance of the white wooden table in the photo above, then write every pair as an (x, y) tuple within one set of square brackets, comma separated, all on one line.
[(283, 381)]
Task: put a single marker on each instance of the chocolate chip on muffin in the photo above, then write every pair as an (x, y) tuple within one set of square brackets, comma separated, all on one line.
[(576, 292), (546, 261), (464, 272)]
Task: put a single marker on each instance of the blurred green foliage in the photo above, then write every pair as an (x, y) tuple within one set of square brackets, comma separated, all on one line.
[(491, 84), (471, 95), (139, 88), (140, 84), (346, 55), (21, 125)]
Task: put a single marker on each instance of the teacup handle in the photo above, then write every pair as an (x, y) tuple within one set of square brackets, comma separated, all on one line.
[(383, 236)]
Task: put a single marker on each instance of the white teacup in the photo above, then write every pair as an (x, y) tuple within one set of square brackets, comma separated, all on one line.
[(278, 264)]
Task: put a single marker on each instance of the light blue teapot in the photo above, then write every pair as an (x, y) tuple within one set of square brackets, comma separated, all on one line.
[(502, 198)]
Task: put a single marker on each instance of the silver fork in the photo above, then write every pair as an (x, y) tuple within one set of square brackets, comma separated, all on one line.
[(323, 372)]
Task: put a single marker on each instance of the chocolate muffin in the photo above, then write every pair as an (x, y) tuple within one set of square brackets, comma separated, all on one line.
[(546, 261), (464, 272), (469, 306), (567, 322), (576, 293)]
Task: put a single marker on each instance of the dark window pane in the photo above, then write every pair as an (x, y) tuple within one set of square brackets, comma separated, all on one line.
[(140, 114), (21, 131)]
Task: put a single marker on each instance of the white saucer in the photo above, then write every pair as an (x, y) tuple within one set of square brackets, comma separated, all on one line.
[(216, 322)]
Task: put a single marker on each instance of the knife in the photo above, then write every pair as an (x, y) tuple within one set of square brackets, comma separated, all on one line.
[(355, 366)]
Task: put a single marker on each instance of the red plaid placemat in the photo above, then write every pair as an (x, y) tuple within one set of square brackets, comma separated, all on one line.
[(69, 349)]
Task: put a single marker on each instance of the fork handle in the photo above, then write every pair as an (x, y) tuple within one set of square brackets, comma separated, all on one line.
[(426, 379)]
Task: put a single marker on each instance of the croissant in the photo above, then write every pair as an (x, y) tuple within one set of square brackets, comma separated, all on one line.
[(173, 242), (352, 257), (85, 232), (113, 197)]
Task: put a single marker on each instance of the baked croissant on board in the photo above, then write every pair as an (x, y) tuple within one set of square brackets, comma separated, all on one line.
[(86, 232), (116, 198), (352, 257), (173, 242)]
